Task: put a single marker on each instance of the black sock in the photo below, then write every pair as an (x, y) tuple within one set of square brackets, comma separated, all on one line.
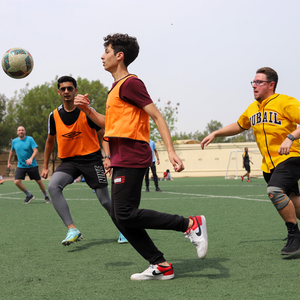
[(292, 228)]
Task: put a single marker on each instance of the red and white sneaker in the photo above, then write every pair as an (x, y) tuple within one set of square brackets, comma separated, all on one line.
[(198, 235), (242, 178), (155, 272)]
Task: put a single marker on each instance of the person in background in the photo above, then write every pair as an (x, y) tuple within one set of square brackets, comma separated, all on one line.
[(246, 165), (167, 175), (26, 149), (153, 168)]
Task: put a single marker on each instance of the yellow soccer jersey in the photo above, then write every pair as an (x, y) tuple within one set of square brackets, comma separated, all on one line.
[(272, 120)]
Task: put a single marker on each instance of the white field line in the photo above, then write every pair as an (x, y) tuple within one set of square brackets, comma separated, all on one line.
[(20, 195)]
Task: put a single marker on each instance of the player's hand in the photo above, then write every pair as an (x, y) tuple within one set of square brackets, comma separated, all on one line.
[(107, 167), (28, 161), (82, 102), (176, 162), (207, 140), (285, 147), (9, 166), (45, 173)]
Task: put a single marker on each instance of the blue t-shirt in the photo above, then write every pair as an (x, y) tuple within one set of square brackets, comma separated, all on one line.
[(153, 147), (24, 149)]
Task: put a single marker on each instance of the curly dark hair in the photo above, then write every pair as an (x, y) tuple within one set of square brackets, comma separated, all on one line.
[(123, 43), (66, 79)]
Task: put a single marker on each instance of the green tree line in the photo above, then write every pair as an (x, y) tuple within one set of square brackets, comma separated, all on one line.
[(31, 108)]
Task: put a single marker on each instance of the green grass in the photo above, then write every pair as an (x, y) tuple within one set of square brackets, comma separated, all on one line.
[(243, 261)]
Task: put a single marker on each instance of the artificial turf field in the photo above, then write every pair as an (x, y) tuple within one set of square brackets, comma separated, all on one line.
[(243, 262)]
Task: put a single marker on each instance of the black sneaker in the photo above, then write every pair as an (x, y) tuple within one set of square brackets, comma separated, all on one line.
[(28, 199), (47, 199), (158, 189), (147, 189), (292, 246)]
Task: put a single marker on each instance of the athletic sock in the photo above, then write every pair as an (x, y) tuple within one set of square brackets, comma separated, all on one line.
[(292, 228), (27, 193), (45, 194)]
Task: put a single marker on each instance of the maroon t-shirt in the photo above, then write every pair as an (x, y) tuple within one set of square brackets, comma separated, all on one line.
[(124, 152)]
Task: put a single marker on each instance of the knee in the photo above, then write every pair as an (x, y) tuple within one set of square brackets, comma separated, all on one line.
[(278, 197), (17, 182), (53, 188)]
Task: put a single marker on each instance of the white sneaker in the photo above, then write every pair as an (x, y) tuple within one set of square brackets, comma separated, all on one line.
[(198, 235), (155, 272)]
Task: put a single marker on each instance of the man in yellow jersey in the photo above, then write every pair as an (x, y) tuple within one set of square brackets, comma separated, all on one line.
[(79, 150), (274, 118), (127, 131)]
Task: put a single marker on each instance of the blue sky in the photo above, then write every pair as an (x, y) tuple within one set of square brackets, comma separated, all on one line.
[(199, 53)]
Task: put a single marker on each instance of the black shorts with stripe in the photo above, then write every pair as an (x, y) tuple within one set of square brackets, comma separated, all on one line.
[(93, 172)]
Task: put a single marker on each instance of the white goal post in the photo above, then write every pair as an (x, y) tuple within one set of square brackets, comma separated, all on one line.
[(235, 163)]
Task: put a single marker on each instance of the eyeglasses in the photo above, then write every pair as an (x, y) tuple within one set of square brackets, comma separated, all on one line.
[(69, 88), (259, 82)]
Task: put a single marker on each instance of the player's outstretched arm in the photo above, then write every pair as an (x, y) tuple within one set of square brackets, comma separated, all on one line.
[(163, 129), (229, 130), (48, 150), (82, 102)]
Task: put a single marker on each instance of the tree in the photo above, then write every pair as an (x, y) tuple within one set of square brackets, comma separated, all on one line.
[(4, 128), (169, 114)]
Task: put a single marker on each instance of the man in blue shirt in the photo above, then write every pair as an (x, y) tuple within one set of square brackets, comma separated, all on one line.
[(26, 150), (153, 168)]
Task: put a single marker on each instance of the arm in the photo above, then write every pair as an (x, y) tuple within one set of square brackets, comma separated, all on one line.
[(229, 130), (163, 129), (48, 150), (82, 102), (30, 159), (285, 147), (9, 158), (105, 146), (157, 158)]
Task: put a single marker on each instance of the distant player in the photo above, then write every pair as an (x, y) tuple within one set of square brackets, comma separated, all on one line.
[(246, 165), (26, 149), (274, 118), (153, 168)]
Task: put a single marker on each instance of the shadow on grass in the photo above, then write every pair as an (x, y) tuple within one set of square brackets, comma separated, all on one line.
[(80, 246), (291, 257), (210, 268)]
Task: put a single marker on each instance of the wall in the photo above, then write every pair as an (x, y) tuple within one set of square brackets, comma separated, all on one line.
[(212, 161)]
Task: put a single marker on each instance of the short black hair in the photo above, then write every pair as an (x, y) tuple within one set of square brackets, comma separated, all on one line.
[(270, 74), (66, 79), (123, 43)]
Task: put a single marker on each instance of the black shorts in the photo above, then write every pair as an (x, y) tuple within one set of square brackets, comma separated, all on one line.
[(285, 175), (247, 168), (33, 173), (93, 172)]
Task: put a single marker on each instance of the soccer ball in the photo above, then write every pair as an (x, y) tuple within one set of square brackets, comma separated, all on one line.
[(17, 63)]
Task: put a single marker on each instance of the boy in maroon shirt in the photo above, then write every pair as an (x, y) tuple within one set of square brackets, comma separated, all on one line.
[(131, 155)]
